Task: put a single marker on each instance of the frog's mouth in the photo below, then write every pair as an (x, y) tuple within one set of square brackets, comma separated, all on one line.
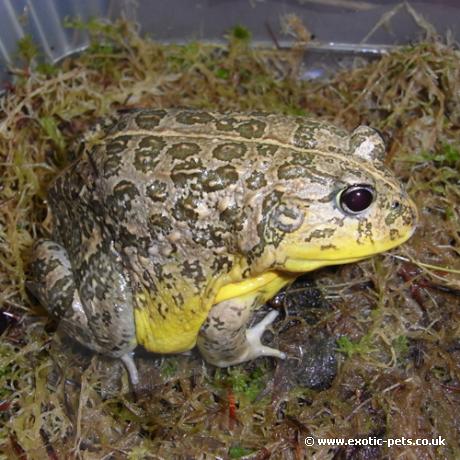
[(302, 259), (303, 266)]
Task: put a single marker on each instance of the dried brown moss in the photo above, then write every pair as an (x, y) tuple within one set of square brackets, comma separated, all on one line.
[(398, 321)]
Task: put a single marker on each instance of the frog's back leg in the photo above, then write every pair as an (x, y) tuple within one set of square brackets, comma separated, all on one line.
[(224, 339), (52, 280), (104, 324)]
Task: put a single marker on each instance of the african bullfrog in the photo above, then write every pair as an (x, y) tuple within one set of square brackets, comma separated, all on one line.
[(174, 225)]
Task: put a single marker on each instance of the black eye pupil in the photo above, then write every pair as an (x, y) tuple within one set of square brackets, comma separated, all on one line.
[(356, 198)]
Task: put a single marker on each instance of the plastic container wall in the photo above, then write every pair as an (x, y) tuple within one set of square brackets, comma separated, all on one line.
[(338, 25)]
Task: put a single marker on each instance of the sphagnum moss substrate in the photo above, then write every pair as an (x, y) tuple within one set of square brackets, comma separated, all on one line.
[(397, 322)]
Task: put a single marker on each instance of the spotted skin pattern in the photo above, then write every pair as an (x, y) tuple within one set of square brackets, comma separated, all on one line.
[(174, 225)]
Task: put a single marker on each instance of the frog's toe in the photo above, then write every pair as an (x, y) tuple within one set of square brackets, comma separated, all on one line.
[(254, 335), (130, 365), (224, 340)]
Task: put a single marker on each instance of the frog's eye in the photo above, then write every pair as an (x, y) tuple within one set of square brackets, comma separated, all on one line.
[(356, 198)]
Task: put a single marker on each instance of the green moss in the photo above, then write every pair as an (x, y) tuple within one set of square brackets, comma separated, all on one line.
[(222, 73), (246, 385), (445, 155), (401, 346), (363, 346), (52, 132), (238, 451), (169, 367), (47, 69), (241, 33), (27, 49)]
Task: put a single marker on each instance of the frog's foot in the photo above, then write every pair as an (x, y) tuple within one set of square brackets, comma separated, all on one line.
[(224, 340), (130, 365), (255, 348)]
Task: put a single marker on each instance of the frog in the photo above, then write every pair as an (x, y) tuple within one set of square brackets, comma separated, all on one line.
[(174, 225)]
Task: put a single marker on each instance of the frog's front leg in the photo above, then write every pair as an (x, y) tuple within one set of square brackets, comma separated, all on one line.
[(99, 315), (224, 339)]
